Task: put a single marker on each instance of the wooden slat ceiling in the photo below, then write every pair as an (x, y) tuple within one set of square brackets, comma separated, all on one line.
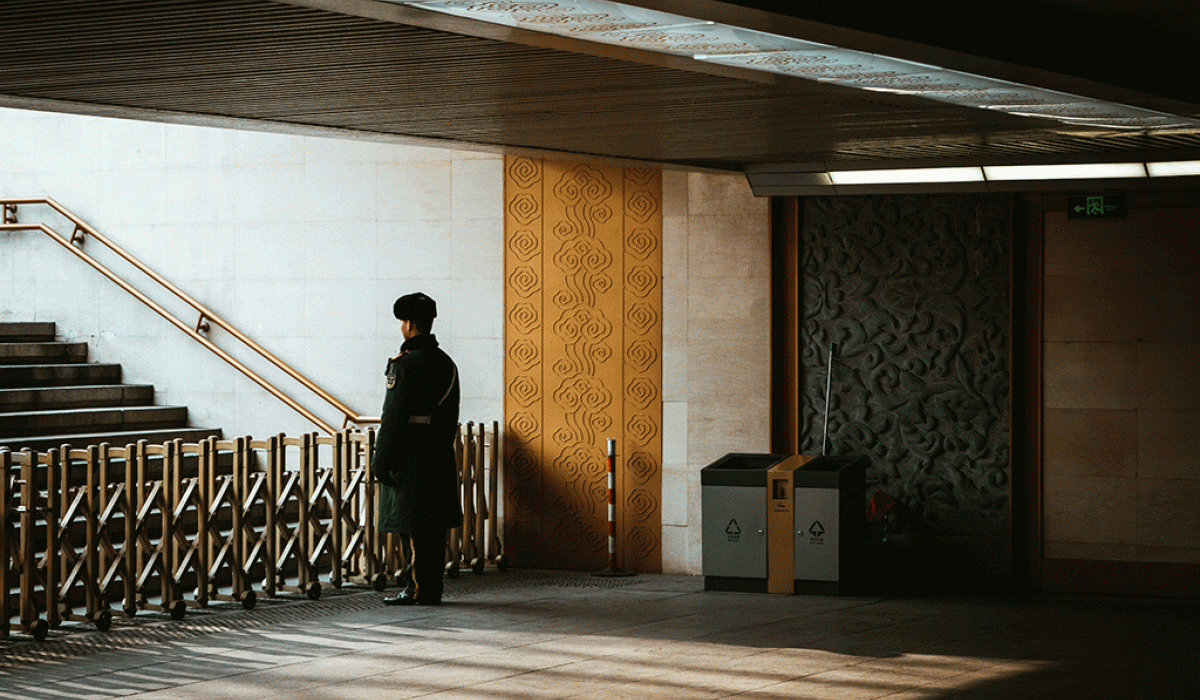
[(302, 64)]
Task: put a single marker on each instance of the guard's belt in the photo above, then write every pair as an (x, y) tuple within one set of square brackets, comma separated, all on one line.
[(419, 419)]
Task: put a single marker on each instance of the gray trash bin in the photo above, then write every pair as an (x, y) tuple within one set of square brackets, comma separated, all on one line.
[(830, 520), (733, 500)]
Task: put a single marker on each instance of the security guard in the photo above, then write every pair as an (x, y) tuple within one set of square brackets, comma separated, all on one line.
[(414, 452)]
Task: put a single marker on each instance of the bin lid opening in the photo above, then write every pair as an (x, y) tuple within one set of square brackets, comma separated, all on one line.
[(749, 461)]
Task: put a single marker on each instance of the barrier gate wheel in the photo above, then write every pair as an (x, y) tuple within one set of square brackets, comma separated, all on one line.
[(39, 630), (103, 620)]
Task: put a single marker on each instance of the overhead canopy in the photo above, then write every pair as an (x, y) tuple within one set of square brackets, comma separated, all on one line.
[(1110, 76)]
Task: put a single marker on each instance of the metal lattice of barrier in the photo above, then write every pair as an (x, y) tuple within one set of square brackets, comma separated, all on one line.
[(90, 533)]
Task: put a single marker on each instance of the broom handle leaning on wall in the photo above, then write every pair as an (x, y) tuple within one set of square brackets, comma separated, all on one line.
[(828, 385)]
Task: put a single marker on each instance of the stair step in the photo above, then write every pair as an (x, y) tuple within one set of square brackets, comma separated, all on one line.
[(66, 397), (22, 332), (51, 396), (92, 420), (42, 443), (17, 376), (43, 353)]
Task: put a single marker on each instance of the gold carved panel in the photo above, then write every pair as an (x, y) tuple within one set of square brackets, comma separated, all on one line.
[(583, 338)]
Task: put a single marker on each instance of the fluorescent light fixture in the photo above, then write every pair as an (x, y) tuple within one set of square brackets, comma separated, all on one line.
[(1174, 169), (812, 175), (905, 176), (1080, 171)]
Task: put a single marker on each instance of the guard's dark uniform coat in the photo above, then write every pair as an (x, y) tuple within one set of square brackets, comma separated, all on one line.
[(414, 452)]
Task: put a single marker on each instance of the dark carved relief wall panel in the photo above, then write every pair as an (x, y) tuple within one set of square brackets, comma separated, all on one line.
[(583, 334), (913, 293)]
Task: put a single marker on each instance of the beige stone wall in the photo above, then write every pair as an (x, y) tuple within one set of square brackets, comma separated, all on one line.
[(1121, 460), (716, 342)]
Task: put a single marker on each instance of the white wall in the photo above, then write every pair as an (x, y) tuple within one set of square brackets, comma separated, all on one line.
[(301, 242), (304, 243)]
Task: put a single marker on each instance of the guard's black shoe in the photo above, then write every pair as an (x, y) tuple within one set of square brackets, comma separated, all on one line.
[(404, 597)]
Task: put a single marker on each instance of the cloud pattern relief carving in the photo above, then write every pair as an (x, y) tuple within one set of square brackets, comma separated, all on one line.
[(913, 291)]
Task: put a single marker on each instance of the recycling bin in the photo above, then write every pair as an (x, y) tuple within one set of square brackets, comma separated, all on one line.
[(733, 500), (830, 524)]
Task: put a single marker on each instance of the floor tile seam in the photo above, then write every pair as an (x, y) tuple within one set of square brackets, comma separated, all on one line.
[(929, 683), (528, 671), (773, 681), (519, 625), (983, 665), (900, 624), (477, 684), (94, 674), (1026, 689), (82, 685), (606, 654), (816, 673), (374, 674), (231, 622), (926, 681), (875, 631), (582, 658), (706, 610), (621, 683), (530, 645), (650, 679), (1001, 662), (656, 672), (476, 656), (247, 672), (887, 693)]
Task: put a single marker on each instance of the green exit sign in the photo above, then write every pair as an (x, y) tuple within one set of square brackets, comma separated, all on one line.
[(1096, 206)]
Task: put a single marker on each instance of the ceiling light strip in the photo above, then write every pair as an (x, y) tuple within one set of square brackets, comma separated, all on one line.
[(1174, 169), (1081, 171), (906, 176), (1009, 173)]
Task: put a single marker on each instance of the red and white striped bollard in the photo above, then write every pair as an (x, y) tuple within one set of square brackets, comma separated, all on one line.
[(613, 569)]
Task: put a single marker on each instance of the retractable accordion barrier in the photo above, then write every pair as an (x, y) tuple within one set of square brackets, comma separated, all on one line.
[(88, 534)]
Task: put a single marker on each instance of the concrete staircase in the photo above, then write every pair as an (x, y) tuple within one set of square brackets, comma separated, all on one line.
[(51, 396)]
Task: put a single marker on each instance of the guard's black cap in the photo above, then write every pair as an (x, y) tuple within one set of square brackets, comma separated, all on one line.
[(415, 307)]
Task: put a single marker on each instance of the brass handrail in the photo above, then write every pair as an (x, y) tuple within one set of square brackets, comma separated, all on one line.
[(83, 229)]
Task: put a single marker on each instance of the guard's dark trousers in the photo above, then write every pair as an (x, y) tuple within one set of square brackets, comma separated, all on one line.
[(428, 563)]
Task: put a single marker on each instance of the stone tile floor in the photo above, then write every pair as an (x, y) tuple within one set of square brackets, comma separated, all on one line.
[(516, 634)]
